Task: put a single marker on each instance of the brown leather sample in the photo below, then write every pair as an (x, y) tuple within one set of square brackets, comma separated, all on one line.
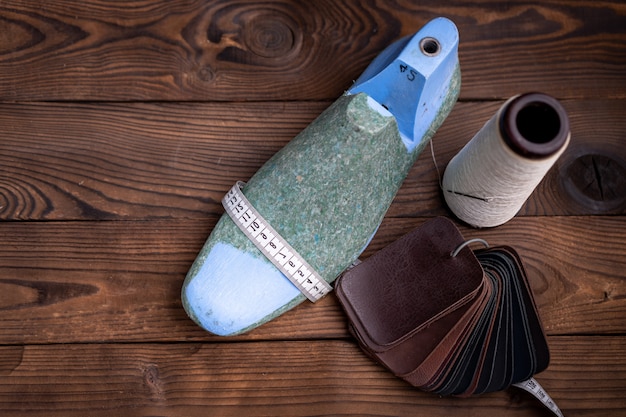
[(459, 325)]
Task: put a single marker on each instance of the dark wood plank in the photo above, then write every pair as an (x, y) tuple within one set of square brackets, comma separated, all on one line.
[(103, 206), (250, 50), (69, 282), (141, 160), (586, 377), (104, 161)]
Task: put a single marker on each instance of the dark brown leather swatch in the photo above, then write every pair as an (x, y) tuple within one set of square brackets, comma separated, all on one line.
[(454, 325)]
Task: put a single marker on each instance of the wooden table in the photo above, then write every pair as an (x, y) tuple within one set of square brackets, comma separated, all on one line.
[(122, 124)]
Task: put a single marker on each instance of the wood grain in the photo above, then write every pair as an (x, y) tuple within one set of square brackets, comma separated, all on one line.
[(69, 282), (140, 160), (292, 50), (586, 378), (122, 124), (70, 161)]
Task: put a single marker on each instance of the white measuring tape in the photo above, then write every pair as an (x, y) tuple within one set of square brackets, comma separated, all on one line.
[(273, 245), (533, 387)]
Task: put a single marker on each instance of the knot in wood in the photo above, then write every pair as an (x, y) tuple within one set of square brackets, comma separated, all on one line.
[(206, 74), (269, 36), (153, 381), (597, 180)]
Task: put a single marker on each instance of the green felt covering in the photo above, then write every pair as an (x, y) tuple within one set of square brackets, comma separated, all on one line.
[(327, 191)]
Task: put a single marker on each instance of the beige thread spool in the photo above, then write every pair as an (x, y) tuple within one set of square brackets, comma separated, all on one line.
[(489, 180)]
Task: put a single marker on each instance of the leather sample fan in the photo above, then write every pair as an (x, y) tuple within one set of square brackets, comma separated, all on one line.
[(450, 323)]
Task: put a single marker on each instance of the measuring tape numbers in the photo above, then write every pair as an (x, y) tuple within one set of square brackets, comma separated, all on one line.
[(273, 245), (532, 386)]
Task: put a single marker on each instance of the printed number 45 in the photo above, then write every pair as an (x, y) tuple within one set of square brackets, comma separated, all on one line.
[(411, 74)]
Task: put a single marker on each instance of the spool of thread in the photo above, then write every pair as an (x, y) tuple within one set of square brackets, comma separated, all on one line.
[(489, 180)]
